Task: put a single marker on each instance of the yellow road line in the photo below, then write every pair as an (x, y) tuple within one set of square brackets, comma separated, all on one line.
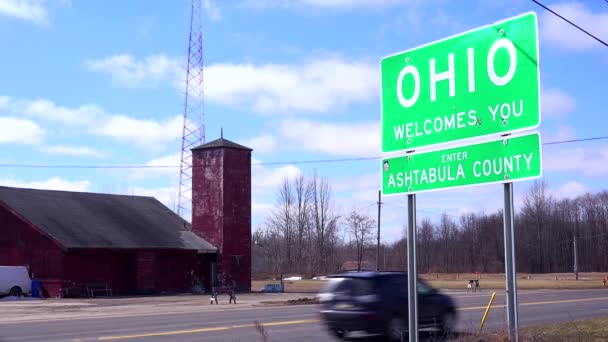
[(166, 333), (272, 324), (304, 321), (194, 331)]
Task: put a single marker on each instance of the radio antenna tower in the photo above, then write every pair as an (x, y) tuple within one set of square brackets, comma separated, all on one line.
[(193, 133)]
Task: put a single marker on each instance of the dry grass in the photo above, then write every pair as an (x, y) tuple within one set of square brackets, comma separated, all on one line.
[(454, 281), (586, 330), (595, 330), (525, 281)]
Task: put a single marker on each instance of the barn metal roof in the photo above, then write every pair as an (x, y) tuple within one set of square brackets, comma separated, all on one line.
[(93, 220)]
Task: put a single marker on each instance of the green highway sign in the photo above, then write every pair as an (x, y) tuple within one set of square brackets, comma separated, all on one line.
[(478, 83), (499, 161)]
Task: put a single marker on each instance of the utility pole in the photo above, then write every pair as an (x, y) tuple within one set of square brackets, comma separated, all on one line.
[(378, 246), (575, 256)]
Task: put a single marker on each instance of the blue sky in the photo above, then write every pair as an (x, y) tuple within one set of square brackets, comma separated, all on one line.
[(101, 82)]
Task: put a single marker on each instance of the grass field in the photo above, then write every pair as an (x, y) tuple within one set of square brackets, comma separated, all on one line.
[(593, 330), (459, 281), (586, 330)]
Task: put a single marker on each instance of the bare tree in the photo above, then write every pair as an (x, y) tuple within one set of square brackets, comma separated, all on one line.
[(324, 222), (282, 221), (537, 203), (304, 226), (301, 208), (360, 228), (302, 235)]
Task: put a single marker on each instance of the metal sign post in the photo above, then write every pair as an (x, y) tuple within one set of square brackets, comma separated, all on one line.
[(411, 269), (510, 274)]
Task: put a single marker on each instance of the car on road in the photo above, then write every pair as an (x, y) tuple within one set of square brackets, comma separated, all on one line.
[(377, 303)]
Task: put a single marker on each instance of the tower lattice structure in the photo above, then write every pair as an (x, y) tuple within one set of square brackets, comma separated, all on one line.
[(193, 133)]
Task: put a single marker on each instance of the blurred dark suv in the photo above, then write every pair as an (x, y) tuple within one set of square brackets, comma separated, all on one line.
[(377, 303)]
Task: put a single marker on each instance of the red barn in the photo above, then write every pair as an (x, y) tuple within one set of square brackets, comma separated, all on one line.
[(132, 243)]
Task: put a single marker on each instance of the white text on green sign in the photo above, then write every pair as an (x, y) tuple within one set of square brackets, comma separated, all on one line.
[(508, 160), (475, 84)]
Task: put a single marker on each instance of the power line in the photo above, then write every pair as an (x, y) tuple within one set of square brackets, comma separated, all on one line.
[(569, 22), (575, 140), (318, 161), (89, 166), (312, 161)]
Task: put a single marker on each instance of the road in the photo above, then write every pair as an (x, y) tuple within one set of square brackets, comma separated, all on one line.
[(294, 323)]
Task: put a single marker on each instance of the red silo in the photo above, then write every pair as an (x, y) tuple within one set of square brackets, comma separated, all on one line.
[(221, 206)]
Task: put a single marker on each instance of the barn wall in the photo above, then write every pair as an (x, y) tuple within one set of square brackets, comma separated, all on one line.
[(21, 244), (114, 267), (137, 271)]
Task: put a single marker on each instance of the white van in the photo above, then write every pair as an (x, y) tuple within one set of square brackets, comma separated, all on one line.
[(14, 281)]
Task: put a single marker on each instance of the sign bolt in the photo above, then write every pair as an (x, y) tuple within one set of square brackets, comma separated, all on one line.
[(407, 59), (504, 122), (478, 121), (505, 142), (502, 32), (409, 189), (409, 158), (408, 140), (506, 176)]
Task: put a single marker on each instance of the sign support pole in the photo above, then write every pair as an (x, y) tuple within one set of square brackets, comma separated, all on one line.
[(411, 269), (510, 273), (378, 246)]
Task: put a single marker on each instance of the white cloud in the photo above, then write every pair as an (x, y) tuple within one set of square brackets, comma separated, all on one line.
[(591, 160), (555, 103), (125, 70), (47, 110), (145, 133), (55, 183), (349, 3), (357, 139), (30, 10), (212, 10), (73, 151), (167, 195), (323, 4), (261, 209), (19, 131), (571, 189), (261, 144), (265, 179), (141, 132), (560, 134), (562, 34), (265, 182), (314, 86), (168, 160)]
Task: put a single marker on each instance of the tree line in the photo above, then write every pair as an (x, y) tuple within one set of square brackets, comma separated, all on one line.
[(306, 234)]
